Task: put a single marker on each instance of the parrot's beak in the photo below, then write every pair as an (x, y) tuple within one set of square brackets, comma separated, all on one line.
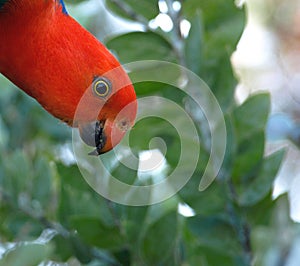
[(93, 135), (103, 135)]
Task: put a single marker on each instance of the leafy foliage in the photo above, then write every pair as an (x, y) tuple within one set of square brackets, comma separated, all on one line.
[(131, 9), (40, 189)]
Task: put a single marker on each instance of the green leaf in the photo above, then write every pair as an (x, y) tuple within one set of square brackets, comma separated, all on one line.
[(262, 184), (26, 255), (17, 171), (134, 216), (71, 176), (219, 77), (136, 46), (4, 135), (230, 152), (252, 115), (146, 128), (62, 248), (18, 225), (130, 9), (265, 238), (215, 233), (223, 25), (145, 88), (204, 256), (124, 257), (249, 155), (215, 12), (93, 231), (125, 174), (262, 212), (207, 202), (159, 240), (42, 181), (194, 43), (78, 198)]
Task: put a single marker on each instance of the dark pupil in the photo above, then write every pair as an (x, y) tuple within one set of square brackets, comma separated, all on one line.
[(101, 88)]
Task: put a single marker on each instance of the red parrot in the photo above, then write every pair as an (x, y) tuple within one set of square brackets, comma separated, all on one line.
[(51, 57)]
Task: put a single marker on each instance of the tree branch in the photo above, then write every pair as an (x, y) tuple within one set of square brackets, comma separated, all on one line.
[(242, 228)]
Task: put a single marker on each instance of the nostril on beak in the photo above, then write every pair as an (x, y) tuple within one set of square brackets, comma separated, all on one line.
[(124, 125)]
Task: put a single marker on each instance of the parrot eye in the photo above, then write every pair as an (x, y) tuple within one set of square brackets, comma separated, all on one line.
[(102, 87)]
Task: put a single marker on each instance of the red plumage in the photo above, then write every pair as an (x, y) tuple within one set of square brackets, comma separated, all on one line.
[(52, 58)]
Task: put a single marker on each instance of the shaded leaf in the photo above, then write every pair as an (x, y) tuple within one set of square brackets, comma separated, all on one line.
[(219, 77), (17, 171), (136, 46), (131, 8), (215, 233), (249, 156), (42, 181), (18, 225), (261, 213), (263, 182), (200, 255), (159, 240), (78, 198), (252, 115), (207, 202), (214, 12), (230, 152), (124, 257), (193, 44), (93, 231), (134, 216), (62, 248), (26, 255)]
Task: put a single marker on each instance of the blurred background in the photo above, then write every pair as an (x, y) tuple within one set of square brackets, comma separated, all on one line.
[(248, 54)]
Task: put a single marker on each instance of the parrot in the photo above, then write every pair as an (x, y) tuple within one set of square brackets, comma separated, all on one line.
[(52, 58)]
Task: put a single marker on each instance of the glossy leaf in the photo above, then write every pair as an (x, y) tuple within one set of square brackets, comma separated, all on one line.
[(132, 9), (93, 231), (263, 182), (252, 115), (88, 202), (248, 156), (62, 248), (207, 202), (142, 46), (26, 255), (154, 248), (194, 43), (42, 182), (215, 233), (214, 12)]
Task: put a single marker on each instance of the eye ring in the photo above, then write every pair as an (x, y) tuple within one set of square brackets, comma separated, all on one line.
[(101, 87)]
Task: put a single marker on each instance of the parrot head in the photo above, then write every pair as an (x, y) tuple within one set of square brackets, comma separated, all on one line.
[(47, 54), (106, 111)]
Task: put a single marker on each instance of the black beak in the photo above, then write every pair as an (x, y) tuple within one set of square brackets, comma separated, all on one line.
[(93, 135)]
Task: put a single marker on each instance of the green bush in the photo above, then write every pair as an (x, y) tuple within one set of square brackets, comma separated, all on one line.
[(39, 190)]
